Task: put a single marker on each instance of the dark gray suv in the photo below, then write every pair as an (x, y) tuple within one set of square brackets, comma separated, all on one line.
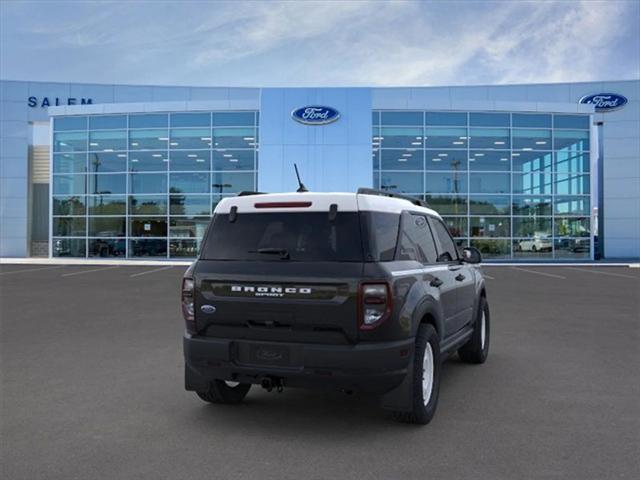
[(361, 292)]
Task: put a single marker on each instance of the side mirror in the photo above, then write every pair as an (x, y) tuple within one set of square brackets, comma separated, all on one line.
[(471, 255)]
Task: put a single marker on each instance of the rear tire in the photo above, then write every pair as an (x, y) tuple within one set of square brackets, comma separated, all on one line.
[(476, 349), (426, 378), (225, 392)]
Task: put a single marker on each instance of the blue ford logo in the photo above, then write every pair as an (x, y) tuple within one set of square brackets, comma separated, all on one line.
[(208, 309), (605, 102), (315, 115)]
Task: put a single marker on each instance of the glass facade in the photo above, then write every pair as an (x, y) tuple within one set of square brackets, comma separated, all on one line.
[(144, 185), (514, 185)]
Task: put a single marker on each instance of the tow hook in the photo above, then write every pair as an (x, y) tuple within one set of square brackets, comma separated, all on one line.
[(269, 383)]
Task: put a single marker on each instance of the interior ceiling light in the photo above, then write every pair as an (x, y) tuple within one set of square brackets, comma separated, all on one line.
[(164, 139), (479, 154), (122, 155), (227, 155), (248, 138), (192, 155), (233, 160), (443, 154), (436, 159), (200, 160), (416, 143), (515, 154), (108, 150), (205, 139), (157, 155), (93, 144), (407, 154), (504, 159), (458, 143), (498, 143), (402, 159), (134, 144), (134, 160), (541, 142), (173, 144), (527, 149)]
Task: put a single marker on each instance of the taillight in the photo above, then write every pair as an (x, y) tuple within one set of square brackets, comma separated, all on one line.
[(188, 309), (375, 304)]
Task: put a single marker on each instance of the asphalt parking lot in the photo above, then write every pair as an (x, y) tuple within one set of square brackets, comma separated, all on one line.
[(91, 372)]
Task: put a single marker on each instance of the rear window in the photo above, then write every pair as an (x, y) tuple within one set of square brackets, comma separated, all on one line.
[(307, 237)]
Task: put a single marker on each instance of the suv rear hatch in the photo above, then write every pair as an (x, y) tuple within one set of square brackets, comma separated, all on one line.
[(280, 276)]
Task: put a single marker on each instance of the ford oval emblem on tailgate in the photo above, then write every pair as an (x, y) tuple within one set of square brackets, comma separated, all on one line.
[(208, 309)]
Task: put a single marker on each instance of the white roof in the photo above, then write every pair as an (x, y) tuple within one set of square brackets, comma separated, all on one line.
[(319, 202)]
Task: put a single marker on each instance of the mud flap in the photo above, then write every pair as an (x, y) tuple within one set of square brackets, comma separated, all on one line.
[(400, 399), (193, 381)]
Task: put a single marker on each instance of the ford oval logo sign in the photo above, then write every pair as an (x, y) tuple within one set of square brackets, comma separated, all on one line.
[(315, 115), (605, 102)]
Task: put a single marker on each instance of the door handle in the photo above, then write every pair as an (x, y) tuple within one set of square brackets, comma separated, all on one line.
[(436, 282), (460, 277)]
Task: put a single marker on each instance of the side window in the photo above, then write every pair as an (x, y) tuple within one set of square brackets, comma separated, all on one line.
[(382, 234), (416, 242), (447, 251)]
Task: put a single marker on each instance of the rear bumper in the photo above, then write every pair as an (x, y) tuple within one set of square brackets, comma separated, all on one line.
[(365, 367)]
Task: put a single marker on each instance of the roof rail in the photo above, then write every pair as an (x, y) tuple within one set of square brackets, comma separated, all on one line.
[(246, 193), (382, 193)]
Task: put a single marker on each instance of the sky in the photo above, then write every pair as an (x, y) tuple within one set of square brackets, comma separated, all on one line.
[(310, 43)]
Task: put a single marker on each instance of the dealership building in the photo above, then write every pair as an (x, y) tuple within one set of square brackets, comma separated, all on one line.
[(546, 172)]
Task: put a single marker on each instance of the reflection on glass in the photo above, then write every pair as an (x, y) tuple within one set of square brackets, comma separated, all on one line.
[(445, 160), (69, 205), (572, 184), (480, 119), (489, 160), (490, 138), (531, 139), (188, 226), (107, 122), (148, 205), (453, 119), (70, 163), (69, 184), (108, 140), (534, 183), (148, 120), (445, 182), (70, 142), (232, 182), (571, 121), (489, 205), (190, 138), (402, 118), (107, 247), (148, 227), (489, 227), (147, 248), (69, 226), (69, 123), (402, 182), (190, 119), (402, 159), (531, 206), (190, 160), (101, 162), (574, 140), (107, 183), (538, 246), (572, 205), (457, 226), (573, 248), (233, 159), (184, 248), (400, 137), (107, 226), (107, 205), (572, 227), (234, 138), (147, 183), (447, 204), (489, 182), (148, 139), (532, 161), (443, 137), (68, 247), (492, 248), (189, 205), (536, 120), (233, 119), (568, 162), (148, 161), (189, 183), (532, 227)]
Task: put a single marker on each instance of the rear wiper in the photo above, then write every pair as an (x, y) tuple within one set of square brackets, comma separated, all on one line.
[(284, 254)]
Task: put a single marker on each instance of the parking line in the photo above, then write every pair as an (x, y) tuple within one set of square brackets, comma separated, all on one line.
[(151, 271), (601, 273), (31, 270), (540, 273), (89, 271)]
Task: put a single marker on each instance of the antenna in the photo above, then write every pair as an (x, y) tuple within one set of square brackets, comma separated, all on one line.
[(301, 187)]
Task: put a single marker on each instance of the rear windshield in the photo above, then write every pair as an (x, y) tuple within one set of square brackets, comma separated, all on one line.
[(307, 237)]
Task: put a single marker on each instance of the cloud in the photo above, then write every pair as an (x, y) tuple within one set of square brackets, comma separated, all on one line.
[(321, 43)]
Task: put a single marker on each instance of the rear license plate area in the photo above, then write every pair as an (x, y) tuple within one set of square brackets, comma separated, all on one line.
[(264, 354)]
